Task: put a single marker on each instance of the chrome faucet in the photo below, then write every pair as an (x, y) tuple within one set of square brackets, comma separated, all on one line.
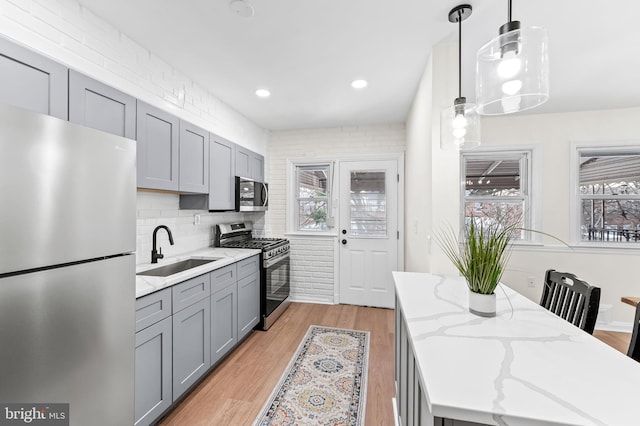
[(155, 255)]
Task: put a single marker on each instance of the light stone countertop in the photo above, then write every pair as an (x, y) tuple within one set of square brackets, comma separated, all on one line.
[(526, 366), (146, 284)]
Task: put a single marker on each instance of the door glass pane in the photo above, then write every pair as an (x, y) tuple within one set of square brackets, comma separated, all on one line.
[(368, 214)]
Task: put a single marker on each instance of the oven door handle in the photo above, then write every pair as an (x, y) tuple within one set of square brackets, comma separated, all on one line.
[(270, 262)]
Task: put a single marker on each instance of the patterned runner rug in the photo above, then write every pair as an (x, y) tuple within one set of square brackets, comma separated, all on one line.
[(325, 382)]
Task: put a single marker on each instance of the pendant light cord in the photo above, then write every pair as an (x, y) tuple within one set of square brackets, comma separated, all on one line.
[(459, 53), (509, 12)]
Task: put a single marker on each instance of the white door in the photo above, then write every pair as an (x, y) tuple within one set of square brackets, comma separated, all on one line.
[(369, 232)]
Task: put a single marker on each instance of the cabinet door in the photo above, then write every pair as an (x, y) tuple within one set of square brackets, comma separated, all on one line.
[(257, 167), (194, 158), (96, 105), (222, 178), (153, 372), (224, 328), (31, 81), (191, 345), (157, 137), (243, 162), (248, 304)]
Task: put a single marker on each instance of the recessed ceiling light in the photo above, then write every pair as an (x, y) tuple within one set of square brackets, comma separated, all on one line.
[(241, 8), (263, 93), (359, 84)]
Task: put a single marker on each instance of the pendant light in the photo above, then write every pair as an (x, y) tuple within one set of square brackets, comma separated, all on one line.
[(512, 70), (460, 123)]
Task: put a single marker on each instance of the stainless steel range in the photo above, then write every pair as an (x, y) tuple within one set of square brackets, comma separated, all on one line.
[(274, 266)]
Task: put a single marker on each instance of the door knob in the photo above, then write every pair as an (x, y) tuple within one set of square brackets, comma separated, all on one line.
[(344, 232), (344, 241)]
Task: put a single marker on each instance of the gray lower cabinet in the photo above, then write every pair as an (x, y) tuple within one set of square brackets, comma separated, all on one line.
[(158, 148), (184, 330), (32, 81), (248, 295), (224, 311), (248, 304), (191, 345), (153, 357), (96, 105), (194, 158)]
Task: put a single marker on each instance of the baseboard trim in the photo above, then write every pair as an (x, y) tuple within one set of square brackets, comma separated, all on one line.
[(617, 326)]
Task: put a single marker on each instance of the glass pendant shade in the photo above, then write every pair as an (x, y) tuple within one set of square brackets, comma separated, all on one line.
[(512, 71), (459, 126)]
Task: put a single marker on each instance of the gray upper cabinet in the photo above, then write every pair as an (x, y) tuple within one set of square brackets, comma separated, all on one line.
[(32, 81), (249, 164), (101, 107), (221, 196), (257, 167), (222, 182), (194, 158), (158, 148), (243, 162)]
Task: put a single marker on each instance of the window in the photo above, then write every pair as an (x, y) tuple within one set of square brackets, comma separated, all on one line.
[(608, 193), (312, 196), (497, 187)]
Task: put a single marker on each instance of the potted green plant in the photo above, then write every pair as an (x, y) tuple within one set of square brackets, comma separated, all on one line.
[(480, 253)]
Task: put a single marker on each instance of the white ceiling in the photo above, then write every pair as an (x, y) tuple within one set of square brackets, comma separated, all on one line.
[(306, 52)]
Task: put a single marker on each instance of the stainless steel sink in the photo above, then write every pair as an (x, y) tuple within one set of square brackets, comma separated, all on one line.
[(174, 268)]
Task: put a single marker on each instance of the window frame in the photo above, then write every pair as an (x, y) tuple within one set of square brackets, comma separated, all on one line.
[(530, 186), (293, 198), (595, 147)]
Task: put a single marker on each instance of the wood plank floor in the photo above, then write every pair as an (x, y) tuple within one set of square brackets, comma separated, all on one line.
[(236, 390)]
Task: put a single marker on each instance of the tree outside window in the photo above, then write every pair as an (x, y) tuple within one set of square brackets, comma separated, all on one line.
[(609, 195), (312, 197), (497, 189)]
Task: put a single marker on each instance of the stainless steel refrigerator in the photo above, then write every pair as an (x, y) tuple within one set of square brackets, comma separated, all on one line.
[(67, 267)]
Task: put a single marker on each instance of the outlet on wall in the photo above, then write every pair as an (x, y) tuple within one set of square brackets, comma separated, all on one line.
[(531, 282), (196, 219)]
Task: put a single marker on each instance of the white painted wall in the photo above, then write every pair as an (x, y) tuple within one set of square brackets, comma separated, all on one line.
[(313, 263), (70, 34), (612, 270)]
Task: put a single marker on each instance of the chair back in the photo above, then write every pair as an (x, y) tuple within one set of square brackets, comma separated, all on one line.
[(634, 346), (571, 299)]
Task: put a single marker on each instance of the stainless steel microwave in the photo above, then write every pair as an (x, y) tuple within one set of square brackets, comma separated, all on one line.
[(251, 195)]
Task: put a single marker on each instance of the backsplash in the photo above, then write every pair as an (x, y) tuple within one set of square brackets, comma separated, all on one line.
[(157, 208)]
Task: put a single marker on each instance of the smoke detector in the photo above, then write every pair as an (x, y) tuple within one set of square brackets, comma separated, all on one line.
[(241, 8)]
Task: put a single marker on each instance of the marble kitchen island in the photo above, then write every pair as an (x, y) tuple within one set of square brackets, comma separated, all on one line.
[(526, 366)]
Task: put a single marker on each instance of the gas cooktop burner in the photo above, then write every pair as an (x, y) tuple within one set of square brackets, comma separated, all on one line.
[(255, 243)]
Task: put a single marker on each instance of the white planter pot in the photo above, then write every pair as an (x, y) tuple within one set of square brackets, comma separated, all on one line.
[(483, 305)]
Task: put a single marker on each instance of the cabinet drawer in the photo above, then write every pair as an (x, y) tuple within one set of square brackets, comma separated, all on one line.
[(189, 292), (248, 266), (153, 308), (223, 277)]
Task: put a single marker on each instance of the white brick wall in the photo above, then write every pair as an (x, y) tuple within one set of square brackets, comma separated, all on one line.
[(156, 208), (70, 34), (313, 267)]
